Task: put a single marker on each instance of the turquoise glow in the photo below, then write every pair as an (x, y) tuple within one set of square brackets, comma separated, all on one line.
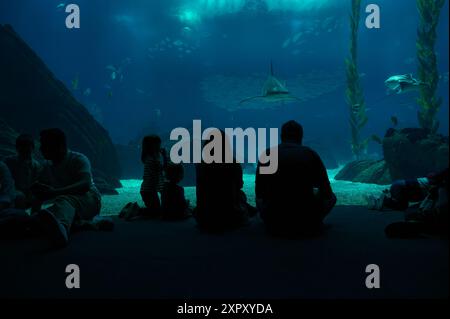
[(189, 17), (208, 8)]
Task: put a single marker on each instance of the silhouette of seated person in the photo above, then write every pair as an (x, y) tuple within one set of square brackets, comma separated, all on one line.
[(424, 201), (220, 202), (298, 196), (154, 159), (67, 184), (174, 205), (25, 170)]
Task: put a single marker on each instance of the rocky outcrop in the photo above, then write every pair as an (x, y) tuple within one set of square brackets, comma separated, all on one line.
[(366, 171), (408, 153), (31, 99), (413, 152)]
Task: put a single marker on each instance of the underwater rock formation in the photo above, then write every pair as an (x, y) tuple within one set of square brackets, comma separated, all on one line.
[(413, 152), (32, 99), (366, 171), (408, 153)]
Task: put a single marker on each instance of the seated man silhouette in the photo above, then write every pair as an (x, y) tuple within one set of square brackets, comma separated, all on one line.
[(296, 199), (66, 182), (24, 169)]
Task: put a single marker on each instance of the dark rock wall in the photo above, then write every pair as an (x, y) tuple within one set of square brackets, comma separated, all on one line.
[(31, 99), (408, 153), (366, 171), (412, 153)]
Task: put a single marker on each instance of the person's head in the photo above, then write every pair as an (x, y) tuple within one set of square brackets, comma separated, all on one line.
[(151, 146), (53, 144), (25, 146), (175, 173), (292, 132)]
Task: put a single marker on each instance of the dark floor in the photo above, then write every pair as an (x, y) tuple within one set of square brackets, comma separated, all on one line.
[(154, 259)]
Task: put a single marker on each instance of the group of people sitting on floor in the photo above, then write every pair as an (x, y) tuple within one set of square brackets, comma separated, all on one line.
[(294, 200), (61, 194)]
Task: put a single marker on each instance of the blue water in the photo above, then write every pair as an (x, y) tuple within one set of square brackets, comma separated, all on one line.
[(167, 51)]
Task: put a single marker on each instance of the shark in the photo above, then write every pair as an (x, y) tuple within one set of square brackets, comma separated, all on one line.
[(403, 83), (273, 91)]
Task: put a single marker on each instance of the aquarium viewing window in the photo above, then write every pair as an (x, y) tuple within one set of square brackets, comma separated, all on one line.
[(224, 158)]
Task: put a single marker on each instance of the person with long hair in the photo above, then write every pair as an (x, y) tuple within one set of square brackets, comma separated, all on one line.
[(154, 159)]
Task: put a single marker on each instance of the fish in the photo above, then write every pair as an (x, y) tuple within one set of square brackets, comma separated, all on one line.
[(403, 83), (286, 43), (75, 82), (158, 112), (87, 92), (113, 75), (376, 139), (273, 91), (178, 43), (297, 37), (60, 6), (394, 120)]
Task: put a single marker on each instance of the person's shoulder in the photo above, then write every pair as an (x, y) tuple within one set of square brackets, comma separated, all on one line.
[(77, 156), (3, 166), (5, 173), (308, 149), (77, 159)]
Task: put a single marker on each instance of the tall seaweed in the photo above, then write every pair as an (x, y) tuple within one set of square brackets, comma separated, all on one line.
[(354, 92), (428, 73)]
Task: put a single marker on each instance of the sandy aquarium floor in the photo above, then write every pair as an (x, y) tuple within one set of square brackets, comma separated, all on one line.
[(348, 193)]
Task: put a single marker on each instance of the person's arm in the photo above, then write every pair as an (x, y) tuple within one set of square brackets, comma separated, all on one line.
[(80, 187), (322, 181), (82, 170), (239, 176), (7, 190), (47, 192), (182, 198)]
